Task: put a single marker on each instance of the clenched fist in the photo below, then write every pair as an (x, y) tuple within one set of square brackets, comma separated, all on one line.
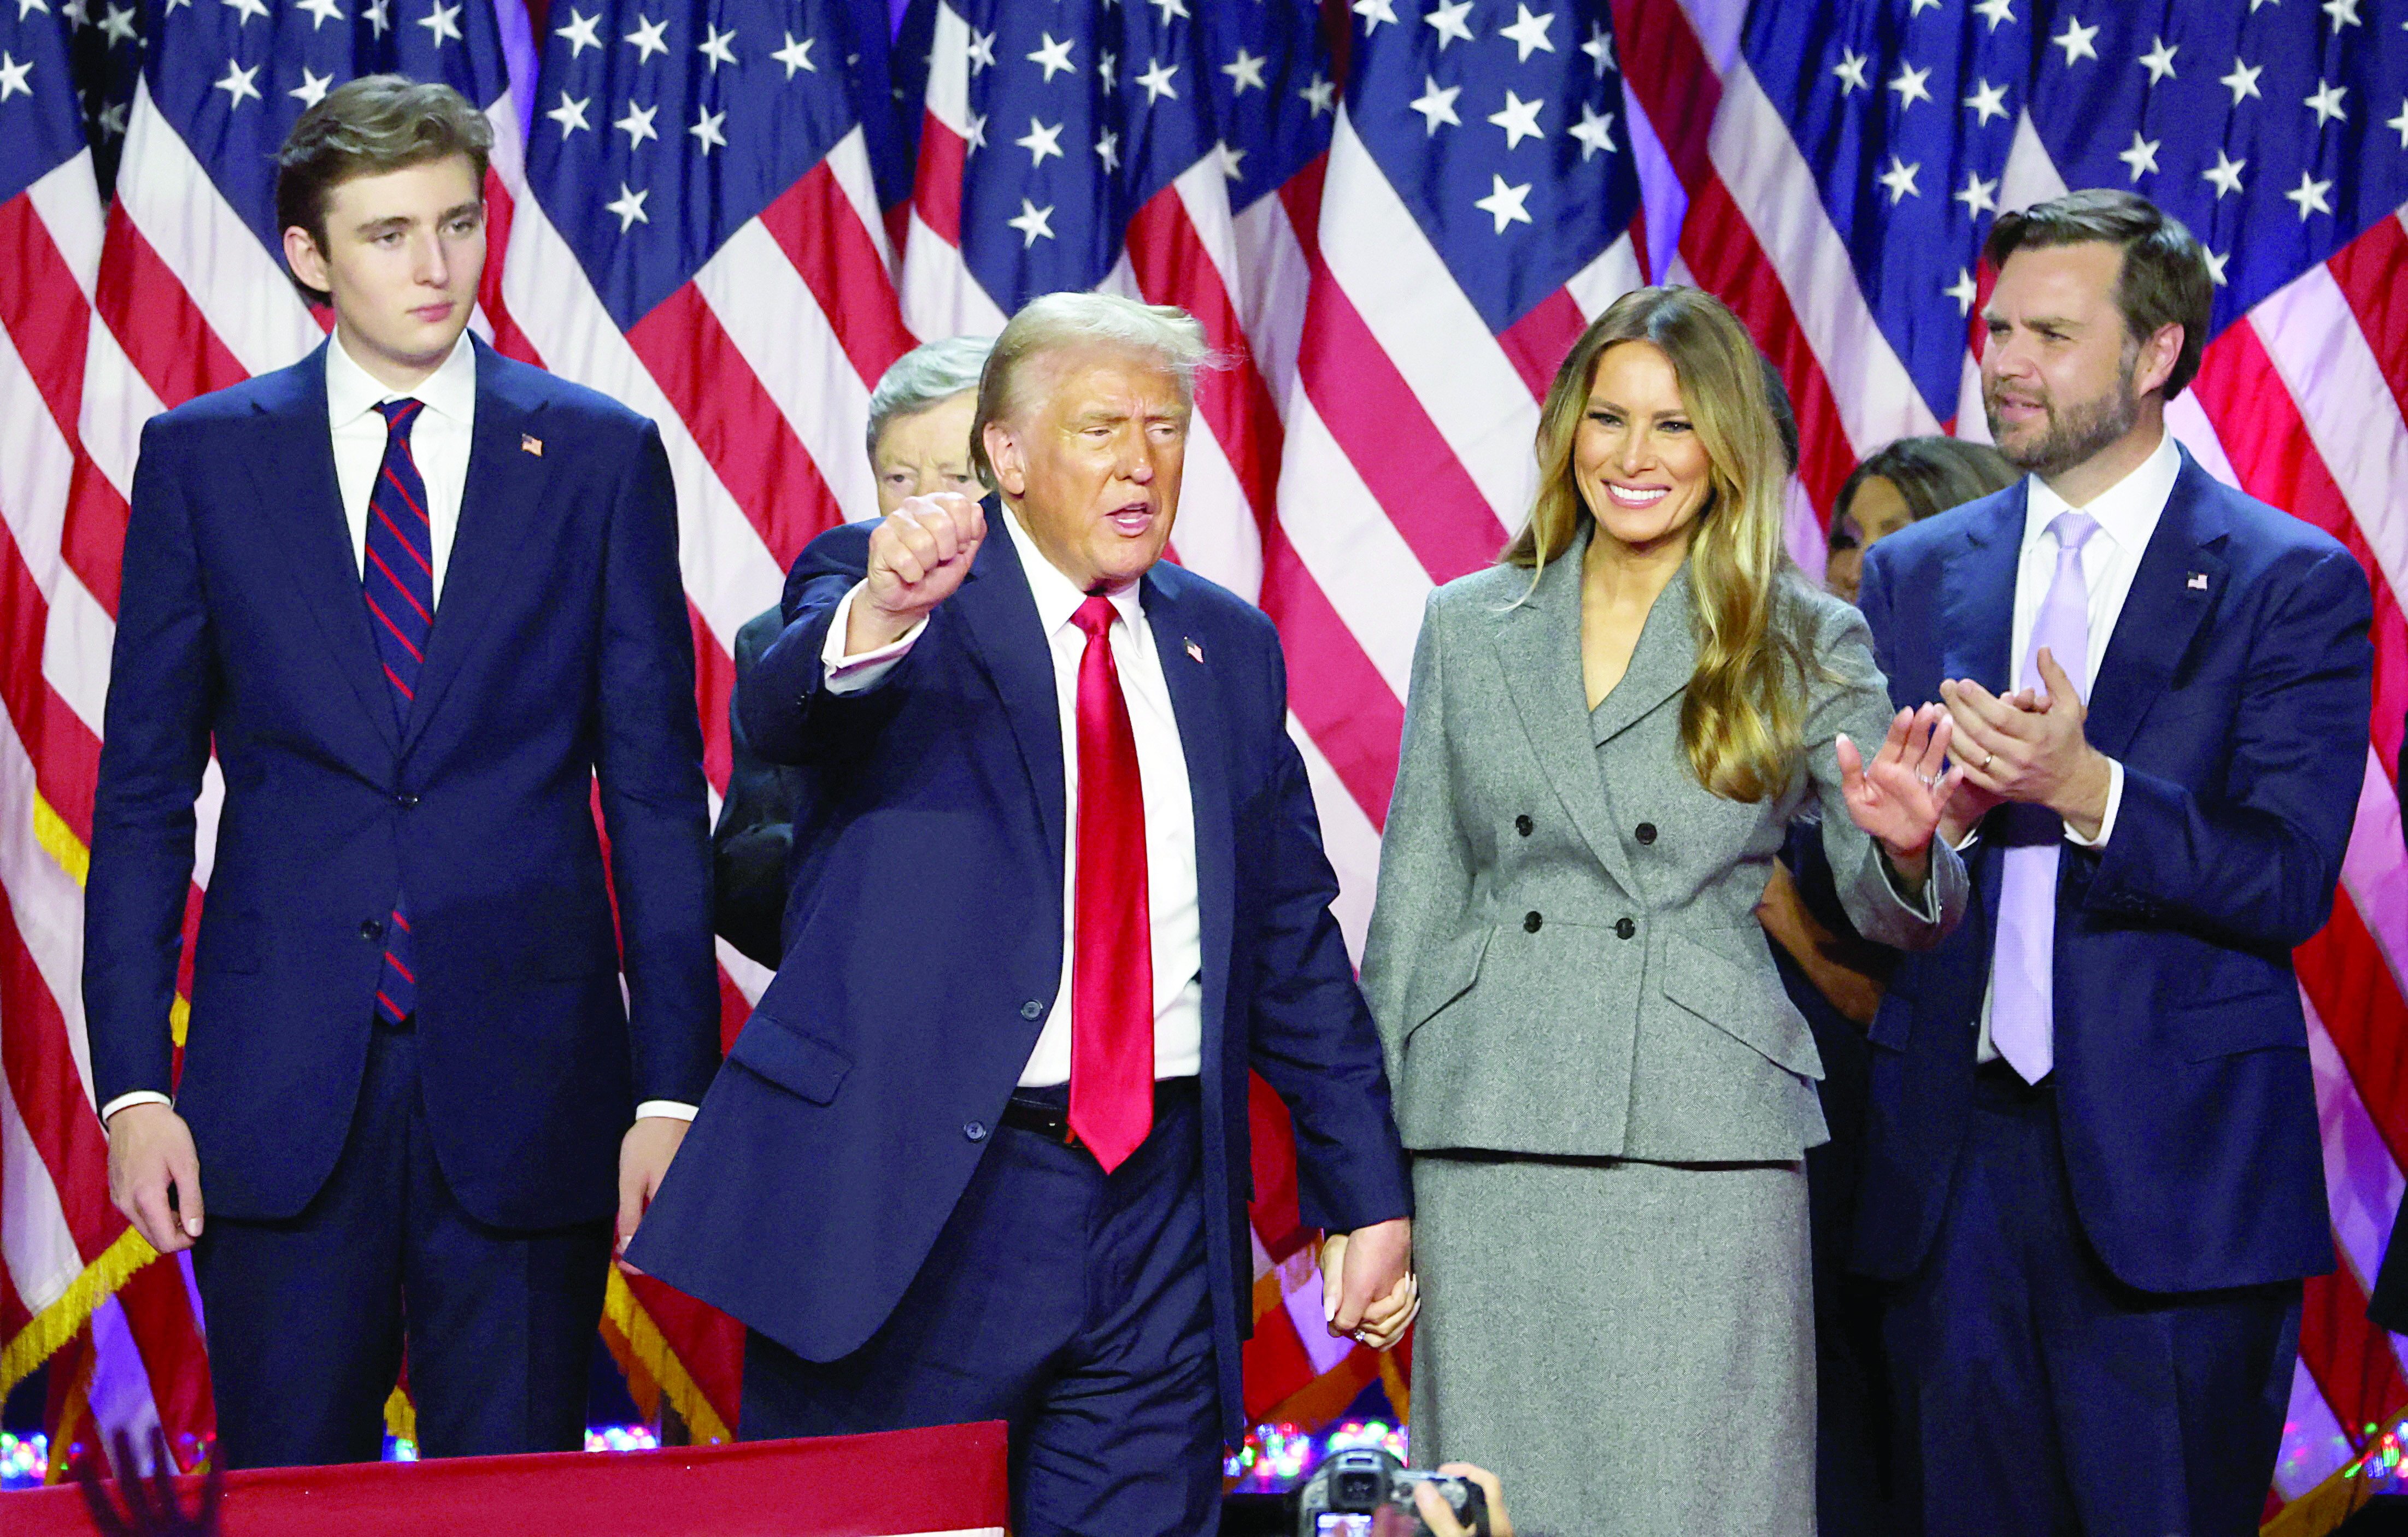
[(918, 555)]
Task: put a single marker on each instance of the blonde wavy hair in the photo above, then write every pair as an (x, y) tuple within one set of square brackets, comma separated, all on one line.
[(1743, 718)]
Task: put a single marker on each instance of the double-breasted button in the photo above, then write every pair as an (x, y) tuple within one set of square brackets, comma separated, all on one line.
[(1624, 929), (404, 800), (1646, 833), (1530, 922), (1032, 1010), (1523, 824), (975, 1131), (371, 928)]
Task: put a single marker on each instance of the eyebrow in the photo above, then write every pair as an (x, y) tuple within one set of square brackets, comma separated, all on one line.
[(2037, 322), (1597, 402)]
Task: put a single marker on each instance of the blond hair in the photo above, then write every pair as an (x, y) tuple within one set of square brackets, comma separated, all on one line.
[(1743, 717), (1069, 320)]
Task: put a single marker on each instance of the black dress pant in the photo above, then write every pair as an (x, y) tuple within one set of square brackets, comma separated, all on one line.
[(1074, 1305), (307, 1316), (2041, 1397)]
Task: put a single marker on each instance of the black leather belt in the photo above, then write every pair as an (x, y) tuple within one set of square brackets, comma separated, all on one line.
[(1047, 1111)]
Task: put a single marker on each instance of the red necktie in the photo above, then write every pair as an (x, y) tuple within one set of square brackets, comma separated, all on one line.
[(1111, 948)]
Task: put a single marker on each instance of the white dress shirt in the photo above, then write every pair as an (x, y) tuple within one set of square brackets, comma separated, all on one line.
[(439, 441), (1162, 777), (2126, 513)]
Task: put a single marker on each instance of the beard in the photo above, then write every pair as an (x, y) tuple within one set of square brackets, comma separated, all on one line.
[(2072, 435)]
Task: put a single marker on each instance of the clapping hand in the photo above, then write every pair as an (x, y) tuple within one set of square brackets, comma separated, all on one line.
[(2029, 748), (1897, 797)]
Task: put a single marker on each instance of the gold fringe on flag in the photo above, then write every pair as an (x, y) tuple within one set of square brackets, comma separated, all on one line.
[(652, 1367), (60, 1322), (74, 1405), (400, 1415)]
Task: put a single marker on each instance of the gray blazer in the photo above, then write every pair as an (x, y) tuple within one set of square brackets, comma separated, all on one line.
[(1565, 959)]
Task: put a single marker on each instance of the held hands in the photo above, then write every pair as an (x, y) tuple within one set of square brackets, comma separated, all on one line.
[(644, 1156), (1897, 797), (918, 555), (2028, 747), (1367, 1283), (154, 1176)]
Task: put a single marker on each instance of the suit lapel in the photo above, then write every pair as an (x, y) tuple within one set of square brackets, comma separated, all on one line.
[(1978, 602), (1538, 644), (1008, 641), (498, 507), (294, 473), (1661, 664), (1197, 703), (2181, 574)]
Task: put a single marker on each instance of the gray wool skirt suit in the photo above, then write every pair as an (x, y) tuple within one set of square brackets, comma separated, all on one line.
[(1607, 1093)]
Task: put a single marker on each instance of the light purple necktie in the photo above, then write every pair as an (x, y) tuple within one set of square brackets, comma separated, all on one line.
[(2023, 982)]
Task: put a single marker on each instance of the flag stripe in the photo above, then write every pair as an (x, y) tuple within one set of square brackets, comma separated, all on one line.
[(737, 426)]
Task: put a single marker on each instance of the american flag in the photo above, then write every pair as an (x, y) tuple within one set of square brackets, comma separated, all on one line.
[(1393, 215)]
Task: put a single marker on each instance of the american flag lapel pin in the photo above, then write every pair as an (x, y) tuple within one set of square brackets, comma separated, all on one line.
[(2198, 581), (1194, 652), (531, 444)]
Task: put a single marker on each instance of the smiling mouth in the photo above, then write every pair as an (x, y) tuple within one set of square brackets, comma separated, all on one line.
[(1636, 497)]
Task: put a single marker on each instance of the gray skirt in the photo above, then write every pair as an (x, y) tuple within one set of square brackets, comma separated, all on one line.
[(1629, 1347)]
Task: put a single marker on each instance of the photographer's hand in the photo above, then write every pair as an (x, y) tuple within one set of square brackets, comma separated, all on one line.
[(1441, 1521)]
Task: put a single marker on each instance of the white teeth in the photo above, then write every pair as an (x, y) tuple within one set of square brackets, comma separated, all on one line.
[(1638, 496)]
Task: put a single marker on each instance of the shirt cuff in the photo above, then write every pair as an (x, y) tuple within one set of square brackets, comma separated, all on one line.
[(665, 1109), (2107, 820), (140, 1096), (852, 675)]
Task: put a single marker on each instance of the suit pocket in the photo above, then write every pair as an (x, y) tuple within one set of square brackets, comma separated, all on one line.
[(1745, 1002), (798, 1064), (2261, 1020)]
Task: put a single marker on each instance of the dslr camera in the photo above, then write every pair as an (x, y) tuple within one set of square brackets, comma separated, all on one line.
[(1352, 1486)]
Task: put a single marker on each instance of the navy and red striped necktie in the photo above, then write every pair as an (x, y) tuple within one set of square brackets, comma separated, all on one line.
[(397, 577)]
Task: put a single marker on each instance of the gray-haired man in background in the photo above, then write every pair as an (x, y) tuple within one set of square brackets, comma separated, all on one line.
[(918, 444)]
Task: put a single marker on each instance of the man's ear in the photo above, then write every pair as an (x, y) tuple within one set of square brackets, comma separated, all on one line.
[(301, 254), (2159, 353), (1011, 465)]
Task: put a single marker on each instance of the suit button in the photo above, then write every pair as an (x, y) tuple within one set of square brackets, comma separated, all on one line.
[(1646, 831), (975, 1131), (1031, 1010), (404, 800), (1624, 929), (1530, 922), (371, 929), (1523, 824)]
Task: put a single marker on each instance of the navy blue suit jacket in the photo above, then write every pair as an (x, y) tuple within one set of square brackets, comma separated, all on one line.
[(560, 651), (923, 950), (2235, 691)]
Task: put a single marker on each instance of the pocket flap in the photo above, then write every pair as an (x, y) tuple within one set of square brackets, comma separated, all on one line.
[(2254, 1021), (1443, 974), (798, 1064), (1740, 1001)]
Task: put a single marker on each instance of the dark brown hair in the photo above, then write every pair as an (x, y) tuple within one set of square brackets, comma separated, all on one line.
[(2164, 280), (367, 127), (1931, 474)]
